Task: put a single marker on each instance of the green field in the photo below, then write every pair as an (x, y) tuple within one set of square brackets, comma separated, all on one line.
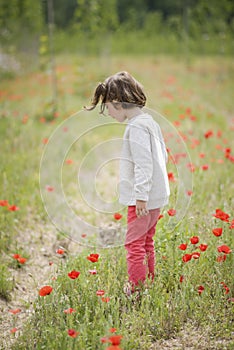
[(190, 304)]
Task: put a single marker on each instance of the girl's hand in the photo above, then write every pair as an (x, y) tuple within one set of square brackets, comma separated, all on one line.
[(141, 209)]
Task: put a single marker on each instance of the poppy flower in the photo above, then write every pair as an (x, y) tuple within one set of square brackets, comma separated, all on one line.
[(219, 214), (104, 340), (46, 290), (205, 167), (194, 239), (232, 224), (181, 278), (49, 188), (69, 311), (200, 289), (15, 311), (83, 235), (100, 292), (171, 212), (72, 333), (13, 330), (93, 272), (208, 134), (21, 260), (189, 193), (113, 347), (186, 257), (171, 177), (118, 216), (105, 299), (160, 216), (60, 251), (16, 256), (73, 274), (112, 330), (13, 208), (4, 203), (93, 257), (203, 247), (221, 258), (224, 249), (183, 246), (196, 255), (115, 339), (217, 231), (69, 161)]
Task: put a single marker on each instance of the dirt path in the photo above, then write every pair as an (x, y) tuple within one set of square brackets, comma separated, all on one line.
[(41, 244)]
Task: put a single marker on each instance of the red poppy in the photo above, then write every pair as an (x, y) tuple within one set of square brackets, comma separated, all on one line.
[(208, 134), (73, 274), (60, 251), (69, 161), (217, 231), (160, 216), (115, 339), (45, 141), (219, 214), (183, 246), (203, 247), (13, 330), (196, 255), (46, 290), (69, 311), (22, 260), (93, 257), (83, 235), (15, 311), (224, 249), (181, 278), (16, 256), (189, 193), (118, 216), (171, 177), (13, 208), (50, 188), (194, 239), (104, 340), (232, 224), (205, 167), (93, 272), (200, 289), (112, 330), (105, 299), (100, 292), (72, 333), (186, 257), (171, 212), (221, 258), (4, 203), (113, 347), (202, 155)]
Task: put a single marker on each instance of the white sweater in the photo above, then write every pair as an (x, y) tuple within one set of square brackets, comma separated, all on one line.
[(143, 173)]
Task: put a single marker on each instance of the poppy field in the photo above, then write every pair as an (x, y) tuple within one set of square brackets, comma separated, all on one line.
[(59, 294)]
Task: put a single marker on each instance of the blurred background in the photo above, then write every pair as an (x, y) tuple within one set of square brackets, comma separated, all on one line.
[(35, 28)]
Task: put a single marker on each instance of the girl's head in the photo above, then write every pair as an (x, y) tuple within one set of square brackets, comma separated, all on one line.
[(120, 89)]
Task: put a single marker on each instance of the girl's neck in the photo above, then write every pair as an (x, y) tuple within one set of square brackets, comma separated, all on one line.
[(133, 112)]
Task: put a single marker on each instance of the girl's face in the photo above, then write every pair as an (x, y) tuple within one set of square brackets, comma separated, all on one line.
[(118, 114)]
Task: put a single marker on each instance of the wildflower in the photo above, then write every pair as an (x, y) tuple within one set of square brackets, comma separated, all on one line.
[(171, 212), (194, 239), (46, 290), (69, 311), (73, 274), (171, 177), (118, 216), (205, 167), (93, 272), (200, 289), (112, 330), (224, 249), (83, 235), (203, 247), (105, 299), (219, 214), (183, 246), (196, 255), (186, 257), (15, 311), (13, 208), (60, 251), (232, 224), (93, 257), (115, 339), (189, 193), (21, 260), (4, 203), (16, 256), (69, 161), (208, 134), (13, 330), (181, 278), (72, 333), (221, 258), (217, 231), (49, 188), (113, 347), (100, 292), (160, 216)]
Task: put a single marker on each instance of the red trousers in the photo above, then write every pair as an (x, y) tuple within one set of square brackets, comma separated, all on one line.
[(139, 244)]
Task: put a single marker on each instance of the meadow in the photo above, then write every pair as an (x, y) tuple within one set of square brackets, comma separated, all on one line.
[(190, 304)]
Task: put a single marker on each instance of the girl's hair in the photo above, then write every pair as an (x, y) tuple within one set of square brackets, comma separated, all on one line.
[(120, 88)]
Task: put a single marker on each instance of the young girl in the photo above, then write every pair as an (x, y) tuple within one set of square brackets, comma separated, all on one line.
[(143, 184)]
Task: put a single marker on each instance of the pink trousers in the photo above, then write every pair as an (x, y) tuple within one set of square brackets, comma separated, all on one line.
[(139, 244)]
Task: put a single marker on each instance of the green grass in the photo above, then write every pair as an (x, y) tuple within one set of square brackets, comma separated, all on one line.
[(168, 305)]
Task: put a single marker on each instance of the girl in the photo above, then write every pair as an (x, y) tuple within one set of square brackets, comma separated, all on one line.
[(143, 184)]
